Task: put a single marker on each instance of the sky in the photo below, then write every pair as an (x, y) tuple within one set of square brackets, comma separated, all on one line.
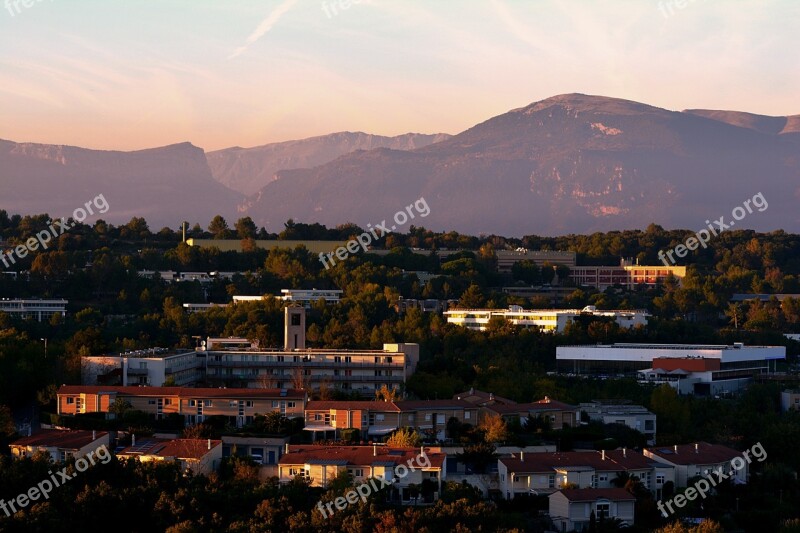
[(128, 75)]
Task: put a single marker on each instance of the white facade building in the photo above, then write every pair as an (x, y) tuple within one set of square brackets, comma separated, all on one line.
[(144, 367), (550, 320), (33, 308)]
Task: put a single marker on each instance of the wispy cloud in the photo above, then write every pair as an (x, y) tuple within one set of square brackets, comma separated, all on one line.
[(264, 27)]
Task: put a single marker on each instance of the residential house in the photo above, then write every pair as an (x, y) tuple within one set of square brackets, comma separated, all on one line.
[(572, 509), (59, 444), (618, 412), (199, 456), (700, 459)]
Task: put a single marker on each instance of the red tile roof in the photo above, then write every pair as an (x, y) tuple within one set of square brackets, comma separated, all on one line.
[(183, 392), (54, 438), (366, 405), (179, 448), (590, 495), (687, 455), (421, 405), (615, 461), (358, 455)]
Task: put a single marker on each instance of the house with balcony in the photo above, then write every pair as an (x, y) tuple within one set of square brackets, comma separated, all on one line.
[(321, 464), (545, 473), (239, 406), (572, 509)]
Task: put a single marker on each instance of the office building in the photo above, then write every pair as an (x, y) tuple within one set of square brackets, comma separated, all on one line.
[(507, 258), (34, 309), (626, 275)]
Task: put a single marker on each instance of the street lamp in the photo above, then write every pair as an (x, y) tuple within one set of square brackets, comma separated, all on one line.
[(45, 347)]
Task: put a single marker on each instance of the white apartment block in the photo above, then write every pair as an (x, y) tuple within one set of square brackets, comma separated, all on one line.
[(549, 320), (634, 416), (144, 367), (36, 309)]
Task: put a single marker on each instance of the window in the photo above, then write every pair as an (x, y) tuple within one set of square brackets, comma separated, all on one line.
[(335, 371), (649, 425), (317, 417), (594, 481), (291, 405), (379, 418), (410, 418), (233, 403), (167, 401), (70, 400), (275, 404), (388, 359), (603, 477), (660, 479), (192, 403), (603, 510), (348, 359), (337, 358), (295, 319), (427, 417), (466, 415), (551, 481), (377, 359), (207, 403), (151, 402), (388, 372), (356, 472), (249, 403)]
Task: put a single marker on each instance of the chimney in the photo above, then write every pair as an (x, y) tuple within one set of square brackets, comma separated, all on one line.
[(603, 455), (521, 456), (209, 444), (286, 450), (94, 435), (675, 447), (374, 450), (696, 450), (491, 396), (133, 439), (624, 452)]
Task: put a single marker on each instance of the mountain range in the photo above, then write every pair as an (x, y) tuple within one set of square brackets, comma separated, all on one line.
[(572, 163)]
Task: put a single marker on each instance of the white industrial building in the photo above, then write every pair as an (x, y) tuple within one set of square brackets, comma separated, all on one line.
[(690, 368), (550, 320)]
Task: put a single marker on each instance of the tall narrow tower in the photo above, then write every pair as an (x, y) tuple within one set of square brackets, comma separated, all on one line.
[(294, 328)]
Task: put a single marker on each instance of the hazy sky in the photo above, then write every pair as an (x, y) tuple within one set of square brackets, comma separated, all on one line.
[(133, 74)]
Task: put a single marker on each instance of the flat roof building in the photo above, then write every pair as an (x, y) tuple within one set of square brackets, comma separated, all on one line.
[(549, 320), (33, 308)]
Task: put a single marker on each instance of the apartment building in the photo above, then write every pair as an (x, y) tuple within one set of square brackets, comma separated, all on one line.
[(545, 473), (572, 509), (379, 418), (549, 320), (199, 456), (621, 412), (296, 366), (35, 309), (239, 406), (59, 444), (626, 275), (699, 459), (152, 367), (321, 464)]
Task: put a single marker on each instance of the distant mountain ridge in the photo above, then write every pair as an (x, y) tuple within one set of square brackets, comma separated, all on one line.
[(248, 169), (572, 163)]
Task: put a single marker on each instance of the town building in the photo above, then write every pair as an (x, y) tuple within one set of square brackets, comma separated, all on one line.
[(199, 308), (572, 509), (507, 258), (626, 275), (59, 444), (549, 320), (545, 473), (199, 456), (699, 459), (152, 367), (322, 464), (622, 412), (790, 399), (172, 276), (264, 451), (239, 406), (363, 371), (379, 418), (34, 308), (557, 415), (235, 245), (737, 362)]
